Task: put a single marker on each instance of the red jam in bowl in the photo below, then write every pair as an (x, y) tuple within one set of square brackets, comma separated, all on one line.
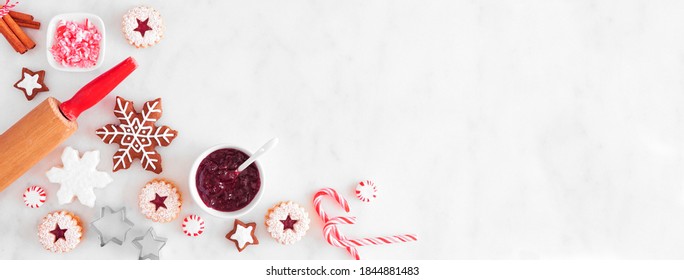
[(220, 187)]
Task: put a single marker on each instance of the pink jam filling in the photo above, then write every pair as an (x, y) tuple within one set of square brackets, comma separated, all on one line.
[(76, 44)]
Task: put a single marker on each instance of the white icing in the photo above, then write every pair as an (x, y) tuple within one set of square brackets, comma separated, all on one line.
[(243, 235), (30, 83), (276, 228), (137, 135), (78, 177), (130, 23)]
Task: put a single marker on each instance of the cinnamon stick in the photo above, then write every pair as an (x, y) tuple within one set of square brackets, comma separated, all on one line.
[(12, 38), (19, 32), (29, 24), (21, 16)]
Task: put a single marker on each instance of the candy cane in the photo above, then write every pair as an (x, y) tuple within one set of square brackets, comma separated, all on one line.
[(337, 239), (4, 9), (332, 235)]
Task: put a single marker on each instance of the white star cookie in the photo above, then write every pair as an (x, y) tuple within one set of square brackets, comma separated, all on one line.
[(243, 235), (31, 83), (78, 177)]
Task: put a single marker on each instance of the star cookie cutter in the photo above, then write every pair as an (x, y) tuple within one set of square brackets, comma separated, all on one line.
[(150, 235), (105, 222)]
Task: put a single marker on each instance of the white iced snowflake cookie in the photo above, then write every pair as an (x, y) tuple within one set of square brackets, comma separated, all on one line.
[(143, 27), (287, 222), (160, 201), (60, 231), (78, 177)]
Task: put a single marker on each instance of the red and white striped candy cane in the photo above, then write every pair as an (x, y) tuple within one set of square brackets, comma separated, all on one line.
[(4, 9), (333, 222), (332, 235), (337, 239)]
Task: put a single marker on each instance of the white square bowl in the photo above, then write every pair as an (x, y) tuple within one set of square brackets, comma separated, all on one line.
[(80, 18)]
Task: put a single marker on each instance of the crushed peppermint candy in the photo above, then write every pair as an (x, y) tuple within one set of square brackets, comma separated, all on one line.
[(76, 44)]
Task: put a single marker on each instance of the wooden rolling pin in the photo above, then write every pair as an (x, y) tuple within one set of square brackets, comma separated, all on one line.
[(50, 123)]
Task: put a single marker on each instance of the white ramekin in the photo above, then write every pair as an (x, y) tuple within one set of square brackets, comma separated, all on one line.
[(198, 200)]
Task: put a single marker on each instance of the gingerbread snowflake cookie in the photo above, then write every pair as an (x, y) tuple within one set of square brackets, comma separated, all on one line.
[(78, 177), (137, 135), (31, 83), (287, 222), (143, 27), (60, 231), (160, 201)]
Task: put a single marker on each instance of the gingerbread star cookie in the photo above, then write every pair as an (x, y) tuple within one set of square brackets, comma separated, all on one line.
[(31, 83), (78, 177), (137, 135), (243, 235)]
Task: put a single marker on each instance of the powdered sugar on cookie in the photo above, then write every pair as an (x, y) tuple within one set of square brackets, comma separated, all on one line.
[(143, 26), (287, 222), (60, 232), (159, 201)]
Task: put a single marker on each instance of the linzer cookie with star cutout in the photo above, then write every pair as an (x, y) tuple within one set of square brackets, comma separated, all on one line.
[(287, 222), (143, 27), (137, 135), (160, 201), (31, 83), (60, 231)]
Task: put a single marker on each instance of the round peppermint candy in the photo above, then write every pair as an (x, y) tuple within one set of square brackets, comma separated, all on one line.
[(193, 225), (366, 191), (34, 197)]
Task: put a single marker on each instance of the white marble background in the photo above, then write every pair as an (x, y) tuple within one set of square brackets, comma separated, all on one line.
[(496, 129)]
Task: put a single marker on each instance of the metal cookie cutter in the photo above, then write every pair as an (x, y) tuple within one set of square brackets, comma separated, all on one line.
[(149, 245), (108, 222)]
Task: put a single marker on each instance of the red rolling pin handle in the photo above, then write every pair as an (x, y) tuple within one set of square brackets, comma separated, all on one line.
[(97, 89)]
